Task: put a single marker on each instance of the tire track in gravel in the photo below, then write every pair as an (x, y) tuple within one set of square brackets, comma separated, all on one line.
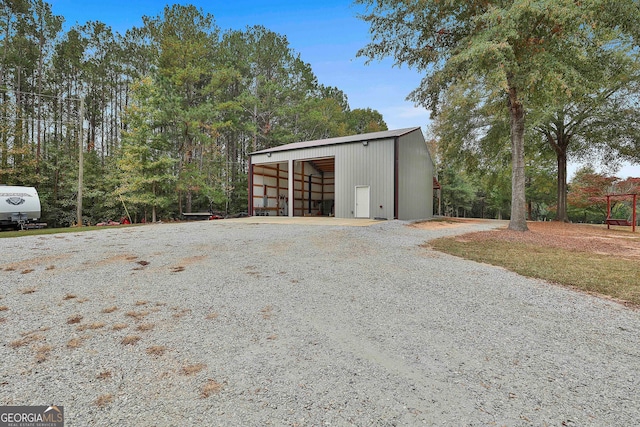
[(416, 390)]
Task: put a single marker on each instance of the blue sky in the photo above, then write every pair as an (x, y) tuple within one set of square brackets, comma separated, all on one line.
[(326, 33)]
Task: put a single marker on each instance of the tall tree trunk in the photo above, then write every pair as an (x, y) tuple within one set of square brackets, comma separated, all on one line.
[(18, 128), (39, 125), (518, 220), (154, 217), (255, 131), (4, 111), (561, 214), (189, 201), (4, 137)]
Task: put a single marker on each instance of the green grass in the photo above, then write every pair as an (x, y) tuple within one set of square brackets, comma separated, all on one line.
[(45, 231), (602, 274)]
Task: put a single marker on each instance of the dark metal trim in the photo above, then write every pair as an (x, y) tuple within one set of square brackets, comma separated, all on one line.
[(250, 210), (396, 175)]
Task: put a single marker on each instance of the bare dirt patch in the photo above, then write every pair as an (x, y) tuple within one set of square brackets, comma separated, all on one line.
[(30, 263), (156, 350), (117, 258), (210, 388), (103, 400), (130, 340), (573, 237), (435, 224), (192, 369), (194, 260)]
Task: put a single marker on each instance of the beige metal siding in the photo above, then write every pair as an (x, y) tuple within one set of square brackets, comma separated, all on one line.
[(370, 165), (355, 164), (415, 186)]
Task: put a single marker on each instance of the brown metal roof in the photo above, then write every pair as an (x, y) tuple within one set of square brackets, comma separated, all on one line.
[(339, 140)]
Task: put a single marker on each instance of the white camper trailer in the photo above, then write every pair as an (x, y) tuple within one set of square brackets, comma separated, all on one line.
[(18, 206)]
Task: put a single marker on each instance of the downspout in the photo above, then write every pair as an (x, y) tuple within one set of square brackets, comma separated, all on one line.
[(396, 175)]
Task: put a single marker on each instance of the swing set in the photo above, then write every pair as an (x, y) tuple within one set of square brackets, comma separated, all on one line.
[(623, 222)]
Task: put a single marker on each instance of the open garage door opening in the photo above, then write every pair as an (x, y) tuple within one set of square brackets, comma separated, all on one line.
[(307, 190)]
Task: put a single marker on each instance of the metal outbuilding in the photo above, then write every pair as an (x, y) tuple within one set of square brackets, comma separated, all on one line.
[(385, 174)]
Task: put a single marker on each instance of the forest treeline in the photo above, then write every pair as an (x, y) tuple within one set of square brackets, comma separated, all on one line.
[(169, 111)]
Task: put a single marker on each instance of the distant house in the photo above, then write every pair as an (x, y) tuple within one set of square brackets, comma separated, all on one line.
[(385, 174)]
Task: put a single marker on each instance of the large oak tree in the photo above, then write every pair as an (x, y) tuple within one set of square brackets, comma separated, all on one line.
[(521, 50)]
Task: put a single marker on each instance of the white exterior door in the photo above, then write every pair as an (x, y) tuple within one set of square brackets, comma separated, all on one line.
[(362, 201)]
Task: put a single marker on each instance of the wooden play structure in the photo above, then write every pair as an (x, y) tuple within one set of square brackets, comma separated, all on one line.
[(624, 222)]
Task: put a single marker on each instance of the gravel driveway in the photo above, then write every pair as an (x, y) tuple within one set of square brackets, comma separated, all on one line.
[(240, 324)]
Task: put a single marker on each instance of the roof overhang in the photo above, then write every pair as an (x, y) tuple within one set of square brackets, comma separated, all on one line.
[(387, 134)]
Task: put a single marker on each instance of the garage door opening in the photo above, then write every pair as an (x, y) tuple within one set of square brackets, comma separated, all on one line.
[(313, 188)]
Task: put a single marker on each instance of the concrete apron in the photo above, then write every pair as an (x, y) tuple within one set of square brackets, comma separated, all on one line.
[(306, 220)]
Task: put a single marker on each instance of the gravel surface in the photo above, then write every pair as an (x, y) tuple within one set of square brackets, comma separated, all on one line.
[(240, 324)]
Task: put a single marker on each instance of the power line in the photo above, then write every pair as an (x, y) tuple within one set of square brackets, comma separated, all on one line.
[(59, 97), (74, 123)]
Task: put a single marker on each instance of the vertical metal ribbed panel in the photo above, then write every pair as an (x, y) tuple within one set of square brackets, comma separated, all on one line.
[(415, 183), (370, 165)]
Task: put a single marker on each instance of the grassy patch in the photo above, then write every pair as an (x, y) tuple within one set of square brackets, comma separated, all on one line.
[(589, 271), (46, 231)]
